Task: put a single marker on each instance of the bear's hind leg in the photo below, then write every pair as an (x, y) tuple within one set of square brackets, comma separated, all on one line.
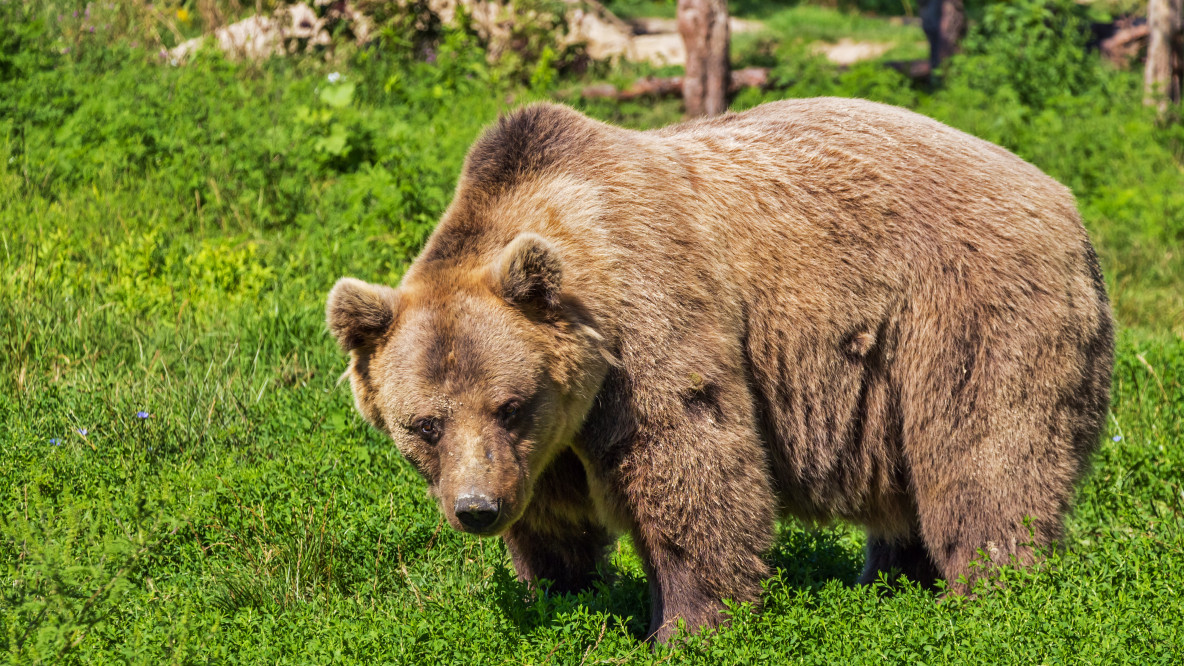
[(969, 518), (896, 556), (997, 480), (1001, 405)]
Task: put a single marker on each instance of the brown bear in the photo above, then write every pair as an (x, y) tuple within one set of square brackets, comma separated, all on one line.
[(820, 308)]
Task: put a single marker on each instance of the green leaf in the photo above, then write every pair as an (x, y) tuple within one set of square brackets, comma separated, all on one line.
[(334, 144), (338, 96)]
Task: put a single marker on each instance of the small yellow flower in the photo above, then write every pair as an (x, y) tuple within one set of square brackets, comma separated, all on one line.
[(183, 15)]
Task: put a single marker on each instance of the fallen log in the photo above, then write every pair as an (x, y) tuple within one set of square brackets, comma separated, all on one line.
[(671, 86), (1124, 46), (917, 70)]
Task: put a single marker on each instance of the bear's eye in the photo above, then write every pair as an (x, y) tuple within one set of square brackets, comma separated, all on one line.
[(508, 413), (427, 429)]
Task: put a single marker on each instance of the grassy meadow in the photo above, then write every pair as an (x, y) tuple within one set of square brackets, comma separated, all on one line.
[(185, 478)]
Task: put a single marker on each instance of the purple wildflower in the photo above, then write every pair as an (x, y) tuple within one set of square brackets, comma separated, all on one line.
[(1117, 438), (141, 415), (81, 431), (55, 442), (75, 14)]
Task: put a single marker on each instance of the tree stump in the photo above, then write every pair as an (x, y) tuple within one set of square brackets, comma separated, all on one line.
[(944, 23), (703, 25), (1163, 76)]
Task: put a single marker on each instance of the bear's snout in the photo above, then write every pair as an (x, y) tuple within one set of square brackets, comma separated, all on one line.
[(477, 513)]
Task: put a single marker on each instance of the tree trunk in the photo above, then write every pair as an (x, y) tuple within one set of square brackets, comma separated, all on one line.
[(703, 25), (1165, 53), (944, 23)]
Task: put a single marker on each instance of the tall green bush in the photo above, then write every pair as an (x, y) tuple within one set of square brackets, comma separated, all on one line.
[(1032, 49)]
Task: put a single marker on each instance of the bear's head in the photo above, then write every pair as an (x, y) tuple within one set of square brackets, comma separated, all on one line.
[(480, 374)]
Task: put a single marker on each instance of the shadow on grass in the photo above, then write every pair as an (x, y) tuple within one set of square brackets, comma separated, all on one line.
[(619, 593), (801, 559)]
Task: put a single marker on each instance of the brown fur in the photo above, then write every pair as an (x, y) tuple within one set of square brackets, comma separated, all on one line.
[(821, 308)]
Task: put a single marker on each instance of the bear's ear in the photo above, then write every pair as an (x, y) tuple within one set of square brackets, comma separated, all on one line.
[(358, 313), (529, 272)]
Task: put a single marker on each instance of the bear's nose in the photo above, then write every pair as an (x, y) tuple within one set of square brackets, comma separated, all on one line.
[(476, 512)]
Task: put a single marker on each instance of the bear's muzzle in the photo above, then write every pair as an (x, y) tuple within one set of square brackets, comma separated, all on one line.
[(477, 513)]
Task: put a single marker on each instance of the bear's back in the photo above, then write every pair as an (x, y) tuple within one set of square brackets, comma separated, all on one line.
[(873, 163), (855, 202)]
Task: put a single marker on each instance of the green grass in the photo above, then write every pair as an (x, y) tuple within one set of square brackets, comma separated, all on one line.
[(786, 24), (804, 26), (171, 256), (814, 23), (629, 9)]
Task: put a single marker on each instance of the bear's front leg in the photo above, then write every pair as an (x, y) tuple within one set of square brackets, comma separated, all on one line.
[(703, 514), (559, 538)]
